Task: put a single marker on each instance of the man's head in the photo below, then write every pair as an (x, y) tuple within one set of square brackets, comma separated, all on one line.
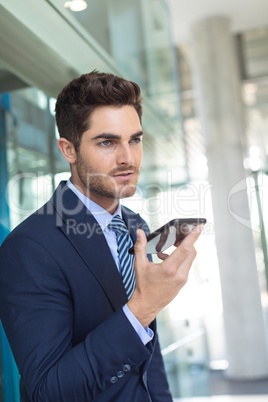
[(78, 100), (99, 120)]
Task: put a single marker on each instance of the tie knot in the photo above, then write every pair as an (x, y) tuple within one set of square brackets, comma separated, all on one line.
[(118, 225)]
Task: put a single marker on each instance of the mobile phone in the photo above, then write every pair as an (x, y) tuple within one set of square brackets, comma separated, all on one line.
[(171, 233)]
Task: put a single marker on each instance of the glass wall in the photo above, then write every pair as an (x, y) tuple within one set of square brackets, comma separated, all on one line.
[(33, 158), (29, 162), (132, 40), (252, 53), (137, 37), (9, 377)]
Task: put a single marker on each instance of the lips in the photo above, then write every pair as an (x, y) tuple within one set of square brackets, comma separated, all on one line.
[(124, 175)]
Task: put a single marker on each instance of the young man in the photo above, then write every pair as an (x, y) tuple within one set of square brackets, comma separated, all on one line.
[(81, 325)]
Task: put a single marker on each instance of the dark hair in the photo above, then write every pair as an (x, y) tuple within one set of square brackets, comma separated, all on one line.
[(77, 101)]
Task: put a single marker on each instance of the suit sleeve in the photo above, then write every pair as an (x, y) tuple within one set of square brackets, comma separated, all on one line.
[(156, 377), (36, 309)]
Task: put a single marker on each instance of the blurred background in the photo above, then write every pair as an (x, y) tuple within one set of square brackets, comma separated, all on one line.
[(203, 70)]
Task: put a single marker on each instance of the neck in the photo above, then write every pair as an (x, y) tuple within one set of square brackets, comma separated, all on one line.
[(109, 204)]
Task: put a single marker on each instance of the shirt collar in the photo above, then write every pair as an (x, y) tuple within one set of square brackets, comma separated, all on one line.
[(102, 216)]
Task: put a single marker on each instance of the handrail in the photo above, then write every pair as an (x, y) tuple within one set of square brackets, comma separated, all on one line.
[(183, 341)]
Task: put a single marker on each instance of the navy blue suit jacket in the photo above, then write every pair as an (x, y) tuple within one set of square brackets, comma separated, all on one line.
[(61, 299)]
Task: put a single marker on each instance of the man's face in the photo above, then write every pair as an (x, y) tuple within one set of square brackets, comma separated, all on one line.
[(110, 155)]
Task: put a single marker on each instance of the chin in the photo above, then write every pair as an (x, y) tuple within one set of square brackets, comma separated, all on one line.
[(127, 194)]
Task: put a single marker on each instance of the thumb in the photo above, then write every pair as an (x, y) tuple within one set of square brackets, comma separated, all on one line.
[(140, 247)]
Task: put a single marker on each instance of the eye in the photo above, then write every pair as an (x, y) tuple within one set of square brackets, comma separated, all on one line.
[(105, 143), (136, 140)]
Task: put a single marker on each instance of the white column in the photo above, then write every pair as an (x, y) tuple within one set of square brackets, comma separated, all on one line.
[(220, 112)]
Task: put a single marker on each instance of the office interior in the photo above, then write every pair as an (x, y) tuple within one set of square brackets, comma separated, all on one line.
[(203, 71)]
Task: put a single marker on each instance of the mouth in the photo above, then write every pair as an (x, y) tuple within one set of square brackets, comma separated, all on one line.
[(124, 175)]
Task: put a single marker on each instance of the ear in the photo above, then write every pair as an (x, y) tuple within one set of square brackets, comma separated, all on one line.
[(67, 149)]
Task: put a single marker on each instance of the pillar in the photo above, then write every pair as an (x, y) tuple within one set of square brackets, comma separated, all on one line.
[(220, 112)]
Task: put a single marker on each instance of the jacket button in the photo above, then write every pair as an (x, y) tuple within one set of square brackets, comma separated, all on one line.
[(120, 374), (126, 368), (113, 379)]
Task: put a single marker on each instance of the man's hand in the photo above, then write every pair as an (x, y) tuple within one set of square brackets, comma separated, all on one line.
[(158, 284)]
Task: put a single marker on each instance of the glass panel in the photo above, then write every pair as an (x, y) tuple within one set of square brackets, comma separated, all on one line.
[(137, 36), (29, 160), (186, 363), (255, 51), (255, 96), (9, 376), (33, 157), (184, 323), (257, 185)]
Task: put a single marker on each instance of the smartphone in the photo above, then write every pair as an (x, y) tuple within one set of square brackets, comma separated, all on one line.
[(171, 233)]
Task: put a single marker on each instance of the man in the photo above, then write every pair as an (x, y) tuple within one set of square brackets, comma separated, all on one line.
[(78, 329)]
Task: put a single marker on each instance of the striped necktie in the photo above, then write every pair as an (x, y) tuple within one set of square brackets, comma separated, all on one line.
[(126, 260)]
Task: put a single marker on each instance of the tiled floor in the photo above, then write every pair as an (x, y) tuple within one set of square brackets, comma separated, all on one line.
[(228, 398)]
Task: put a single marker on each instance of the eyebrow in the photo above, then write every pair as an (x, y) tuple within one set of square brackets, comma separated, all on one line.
[(110, 136)]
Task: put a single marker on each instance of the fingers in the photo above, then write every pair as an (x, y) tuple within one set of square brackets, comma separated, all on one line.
[(140, 247), (162, 256), (190, 258), (191, 238), (198, 230), (183, 272), (186, 246), (178, 243), (162, 240)]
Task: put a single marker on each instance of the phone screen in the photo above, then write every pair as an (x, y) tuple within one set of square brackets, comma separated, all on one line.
[(170, 234)]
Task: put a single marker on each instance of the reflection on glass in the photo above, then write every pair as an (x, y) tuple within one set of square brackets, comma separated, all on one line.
[(136, 34)]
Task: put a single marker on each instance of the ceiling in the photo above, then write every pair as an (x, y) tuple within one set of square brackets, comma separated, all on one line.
[(244, 15)]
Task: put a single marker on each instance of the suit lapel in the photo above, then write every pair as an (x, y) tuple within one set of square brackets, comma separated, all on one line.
[(133, 222), (85, 234)]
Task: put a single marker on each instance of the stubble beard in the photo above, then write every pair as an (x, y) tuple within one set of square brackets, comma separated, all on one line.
[(104, 185)]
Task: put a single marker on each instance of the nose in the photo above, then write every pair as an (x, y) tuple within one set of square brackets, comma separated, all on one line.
[(125, 155)]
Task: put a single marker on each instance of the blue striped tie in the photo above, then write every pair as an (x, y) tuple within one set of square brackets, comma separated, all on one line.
[(126, 260)]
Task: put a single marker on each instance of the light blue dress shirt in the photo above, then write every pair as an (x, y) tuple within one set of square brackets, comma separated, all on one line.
[(104, 218)]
